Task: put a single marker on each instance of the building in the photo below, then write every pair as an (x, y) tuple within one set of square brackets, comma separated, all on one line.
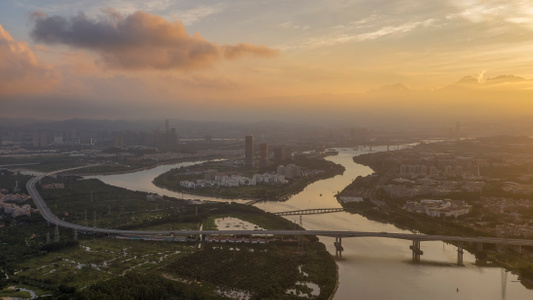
[(351, 196), (290, 171), (286, 153), (118, 142), (263, 154), (58, 140), (439, 208), (172, 136), (281, 154), (210, 174), (278, 154), (249, 150), (40, 139), (270, 179)]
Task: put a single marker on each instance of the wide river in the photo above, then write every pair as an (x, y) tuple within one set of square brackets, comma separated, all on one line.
[(370, 268)]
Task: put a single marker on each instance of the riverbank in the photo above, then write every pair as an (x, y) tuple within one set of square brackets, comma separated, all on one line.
[(322, 169), (377, 206), (336, 285), (365, 259), (81, 265), (166, 162)]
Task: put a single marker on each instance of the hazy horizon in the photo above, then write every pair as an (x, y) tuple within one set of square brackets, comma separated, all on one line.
[(358, 63)]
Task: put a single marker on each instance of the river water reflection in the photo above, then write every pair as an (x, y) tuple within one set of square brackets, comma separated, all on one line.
[(371, 268)]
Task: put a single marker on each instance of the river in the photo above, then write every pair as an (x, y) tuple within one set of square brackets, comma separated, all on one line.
[(370, 268)]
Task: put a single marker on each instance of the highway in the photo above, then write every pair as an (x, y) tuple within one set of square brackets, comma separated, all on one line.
[(51, 218)]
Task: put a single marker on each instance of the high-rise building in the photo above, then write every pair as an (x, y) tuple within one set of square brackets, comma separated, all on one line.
[(249, 150), (278, 154), (286, 153), (40, 139), (263, 154), (282, 154), (118, 142), (172, 136)]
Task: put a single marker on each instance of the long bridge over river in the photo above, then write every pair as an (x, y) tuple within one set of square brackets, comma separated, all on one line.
[(312, 211), (337, 234)]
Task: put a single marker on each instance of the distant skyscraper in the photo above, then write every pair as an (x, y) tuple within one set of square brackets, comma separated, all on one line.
[(287, 153), (172, 136), (263, 154), (35, 139), (118, 142), (249, 150), (278, 154), (40, 139), (282, 154)]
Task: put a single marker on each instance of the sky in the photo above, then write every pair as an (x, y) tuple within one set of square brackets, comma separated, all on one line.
[(351, 62)]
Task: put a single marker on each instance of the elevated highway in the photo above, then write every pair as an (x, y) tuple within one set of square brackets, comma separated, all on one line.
[(338, 234)]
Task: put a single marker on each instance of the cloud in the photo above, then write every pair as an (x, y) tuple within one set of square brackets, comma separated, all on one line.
[(292, 26), (502, 83), (510, 11), (138, 41), (349, 37), (480, 78), (193, 15), (20, 70), (236, 51)]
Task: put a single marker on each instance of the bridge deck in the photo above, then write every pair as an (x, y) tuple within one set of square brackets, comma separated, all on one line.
[(311, 211), (50, 217)]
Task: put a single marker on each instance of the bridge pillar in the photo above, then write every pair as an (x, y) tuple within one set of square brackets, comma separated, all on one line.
[(338, 247), (479, 246), (519, 249), (416, 251), (460, 253), (75, 235)]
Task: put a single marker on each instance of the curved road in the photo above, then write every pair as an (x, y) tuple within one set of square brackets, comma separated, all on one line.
[(51, 218)]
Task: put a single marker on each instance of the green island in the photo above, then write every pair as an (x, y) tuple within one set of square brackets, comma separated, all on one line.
[(317, 168), (36, 262), (489, 176)]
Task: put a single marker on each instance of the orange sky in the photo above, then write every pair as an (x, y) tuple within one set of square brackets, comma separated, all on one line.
[(242, 60)]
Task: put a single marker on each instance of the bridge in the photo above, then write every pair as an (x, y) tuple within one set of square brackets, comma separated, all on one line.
[(337, 234), (312, 211), (252, 202)]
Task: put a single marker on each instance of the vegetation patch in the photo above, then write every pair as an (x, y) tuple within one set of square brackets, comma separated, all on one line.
[(265, 271)]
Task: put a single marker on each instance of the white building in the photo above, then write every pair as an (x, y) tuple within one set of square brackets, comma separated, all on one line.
[(270, 179), (290, 171)]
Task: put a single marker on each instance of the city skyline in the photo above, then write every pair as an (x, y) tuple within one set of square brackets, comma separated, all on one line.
[(346, 61)]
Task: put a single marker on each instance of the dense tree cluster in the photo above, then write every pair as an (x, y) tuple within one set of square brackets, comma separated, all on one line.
[(264, 271), (142, 286)]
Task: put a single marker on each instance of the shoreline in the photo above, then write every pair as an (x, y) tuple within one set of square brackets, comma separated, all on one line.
[(211, 192), (525, 281), (166, 162), (334, 292)]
